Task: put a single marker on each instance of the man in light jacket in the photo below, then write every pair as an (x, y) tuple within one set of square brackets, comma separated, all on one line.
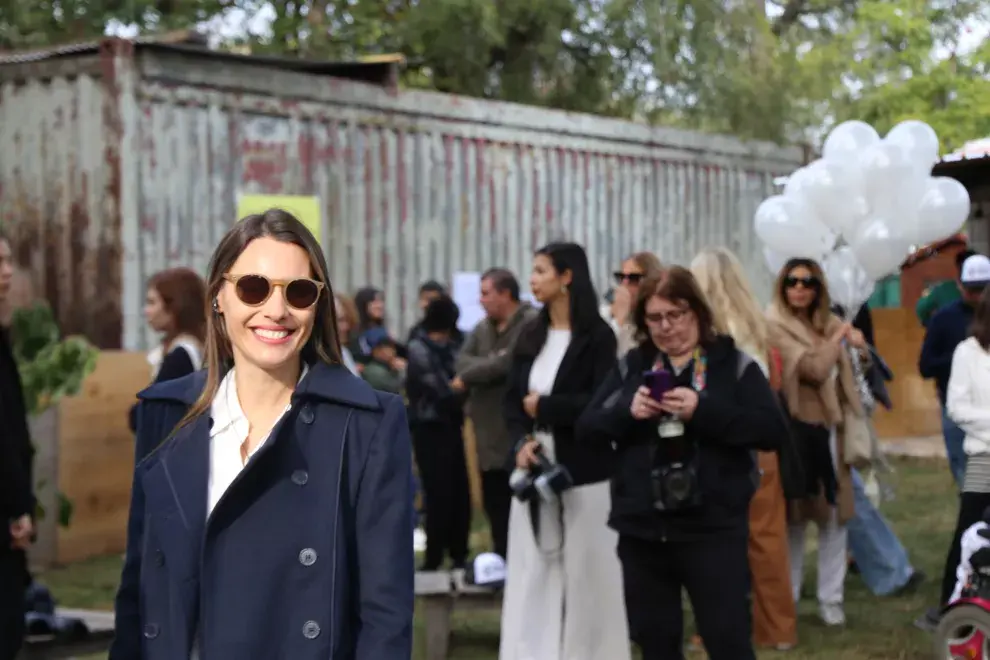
[(482, 369)]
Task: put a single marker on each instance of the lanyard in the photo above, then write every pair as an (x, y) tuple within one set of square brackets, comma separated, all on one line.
[(699, 376)]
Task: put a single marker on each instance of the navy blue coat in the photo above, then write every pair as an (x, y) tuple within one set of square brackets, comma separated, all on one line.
[(308, 555)]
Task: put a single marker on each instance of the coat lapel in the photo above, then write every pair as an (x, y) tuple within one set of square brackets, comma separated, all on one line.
[(187, 467), (569, 362)]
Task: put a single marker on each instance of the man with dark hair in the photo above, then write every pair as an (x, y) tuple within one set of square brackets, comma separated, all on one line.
[(939, 295), (482, 370), (16, 492), (429, 291)]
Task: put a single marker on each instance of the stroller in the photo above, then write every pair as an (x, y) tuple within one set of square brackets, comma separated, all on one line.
[(963, 632)]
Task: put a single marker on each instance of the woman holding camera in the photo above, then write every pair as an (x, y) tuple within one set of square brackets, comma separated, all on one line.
[(563, 593), (684, 411)]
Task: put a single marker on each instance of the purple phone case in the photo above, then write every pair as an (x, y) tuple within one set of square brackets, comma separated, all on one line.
[(660, 382)]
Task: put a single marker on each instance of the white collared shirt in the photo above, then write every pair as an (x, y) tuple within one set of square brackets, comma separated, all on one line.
[(227, 434)]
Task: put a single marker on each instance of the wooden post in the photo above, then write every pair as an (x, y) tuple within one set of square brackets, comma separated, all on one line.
[(471, 458)]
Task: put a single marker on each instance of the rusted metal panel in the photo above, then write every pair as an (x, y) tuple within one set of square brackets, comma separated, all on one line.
[(55, 188), (417, 186), (413, 185)]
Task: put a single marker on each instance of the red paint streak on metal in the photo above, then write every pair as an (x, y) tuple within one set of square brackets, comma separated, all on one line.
[(535, 219), (306, 148), (490, 182), (106, 329), (385, 201), (265, 164)]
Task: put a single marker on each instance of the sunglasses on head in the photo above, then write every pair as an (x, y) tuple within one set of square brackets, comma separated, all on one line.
[(806, 282), (255, 290), (632, 278)]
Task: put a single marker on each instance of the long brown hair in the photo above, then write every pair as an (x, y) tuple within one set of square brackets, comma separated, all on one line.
[(678, 285), (184, 295), (981, 321), (820, 310), (323, 344)]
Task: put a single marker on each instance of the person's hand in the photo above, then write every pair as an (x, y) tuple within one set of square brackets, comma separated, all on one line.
[(621, 305), (681, 401), (644, 406), (526, 456), (398, 364), (841, 333), (21, 530), (457, 384), (856, 338), (530, 403)]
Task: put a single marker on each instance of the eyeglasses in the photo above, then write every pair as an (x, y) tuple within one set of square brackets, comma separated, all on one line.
[(255, 290), (805, 282), (673, 318), (632, 278)]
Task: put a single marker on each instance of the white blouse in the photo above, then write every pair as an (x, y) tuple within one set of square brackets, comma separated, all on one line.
[(230, 431)]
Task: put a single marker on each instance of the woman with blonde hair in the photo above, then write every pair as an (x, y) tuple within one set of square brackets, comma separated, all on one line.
[(819, 389), (636, 268), (738, 314)]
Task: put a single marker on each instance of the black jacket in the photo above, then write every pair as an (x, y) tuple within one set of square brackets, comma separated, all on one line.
[(736, 414), (428, 376), (588, 360), (16, 451)]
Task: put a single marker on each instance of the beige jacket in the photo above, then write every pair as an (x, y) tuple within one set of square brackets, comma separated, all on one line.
[(819, 387)]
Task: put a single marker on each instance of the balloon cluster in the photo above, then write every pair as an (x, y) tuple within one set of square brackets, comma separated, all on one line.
[(860, 208)]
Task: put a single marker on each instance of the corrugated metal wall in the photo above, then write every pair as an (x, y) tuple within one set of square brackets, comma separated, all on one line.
[(57, 198), (413, 185)]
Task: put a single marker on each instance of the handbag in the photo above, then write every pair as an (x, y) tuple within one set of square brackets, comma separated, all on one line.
[(857, 440)]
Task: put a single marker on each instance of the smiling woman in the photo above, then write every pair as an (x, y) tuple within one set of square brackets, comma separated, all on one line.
[(275, 482)]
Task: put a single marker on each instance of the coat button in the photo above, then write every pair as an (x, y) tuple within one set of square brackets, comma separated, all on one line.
[(159, 558), (311, 630), (306, 414), (151, 630), (300, 477), (307, 557)]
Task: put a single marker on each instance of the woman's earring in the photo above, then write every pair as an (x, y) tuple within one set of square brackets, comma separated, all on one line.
[(563, 289), (216, 306)]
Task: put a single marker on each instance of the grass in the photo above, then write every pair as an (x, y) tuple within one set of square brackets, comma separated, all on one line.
[(923, 514)]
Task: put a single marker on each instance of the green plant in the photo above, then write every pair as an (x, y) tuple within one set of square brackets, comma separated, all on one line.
[(51, 368)]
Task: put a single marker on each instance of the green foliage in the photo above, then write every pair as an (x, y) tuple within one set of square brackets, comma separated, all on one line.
[(780, 70), (50, 369)]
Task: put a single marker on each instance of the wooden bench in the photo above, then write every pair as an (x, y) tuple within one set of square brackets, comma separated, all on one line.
[(439, 593), (98, 640)]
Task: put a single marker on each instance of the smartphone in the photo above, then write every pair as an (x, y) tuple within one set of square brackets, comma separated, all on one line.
[(659, 381)]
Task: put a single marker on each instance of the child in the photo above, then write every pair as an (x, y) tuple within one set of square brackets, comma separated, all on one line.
[(381, 371)]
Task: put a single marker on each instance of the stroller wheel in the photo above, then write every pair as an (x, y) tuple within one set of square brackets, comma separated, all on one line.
[(963, 633)]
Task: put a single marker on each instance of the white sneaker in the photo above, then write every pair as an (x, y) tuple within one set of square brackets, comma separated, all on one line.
[(832, 614)]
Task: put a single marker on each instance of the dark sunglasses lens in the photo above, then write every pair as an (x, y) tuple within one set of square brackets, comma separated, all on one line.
[(301, 293), (253, 289), (618, 277)]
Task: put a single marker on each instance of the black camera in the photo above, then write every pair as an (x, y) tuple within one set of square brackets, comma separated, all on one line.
[(545, 480), (675, 486)]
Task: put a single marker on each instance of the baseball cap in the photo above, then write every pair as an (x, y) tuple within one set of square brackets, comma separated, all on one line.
[(488, 570), (975, 271), (373, 338)]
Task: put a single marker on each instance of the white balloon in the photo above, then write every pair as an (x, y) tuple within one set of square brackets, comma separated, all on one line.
[(789, 227), (775, 261), (848, 282), (942, 211), (833, 191), (919, 141), (885, 170), (879, 248), (847, 140)]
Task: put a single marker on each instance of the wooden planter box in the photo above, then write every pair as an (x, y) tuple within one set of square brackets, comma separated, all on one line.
[(85, 449)]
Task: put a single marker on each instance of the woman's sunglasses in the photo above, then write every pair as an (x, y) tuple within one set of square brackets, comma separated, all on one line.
[(806, 282), (632, 278), (255, 290)]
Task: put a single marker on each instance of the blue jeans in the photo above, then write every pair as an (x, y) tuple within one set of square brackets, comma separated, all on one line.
[(882, 561), (954, 437)]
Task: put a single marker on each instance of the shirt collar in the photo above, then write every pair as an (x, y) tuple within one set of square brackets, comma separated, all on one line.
[(226, 409)]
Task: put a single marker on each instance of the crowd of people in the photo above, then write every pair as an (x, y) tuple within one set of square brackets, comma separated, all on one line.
[(671, 436)]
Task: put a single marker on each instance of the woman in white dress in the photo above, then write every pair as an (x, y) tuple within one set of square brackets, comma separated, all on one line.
[(563, 594)]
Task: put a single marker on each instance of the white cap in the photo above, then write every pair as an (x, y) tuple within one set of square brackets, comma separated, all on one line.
[(489, 568), (975, 270)]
